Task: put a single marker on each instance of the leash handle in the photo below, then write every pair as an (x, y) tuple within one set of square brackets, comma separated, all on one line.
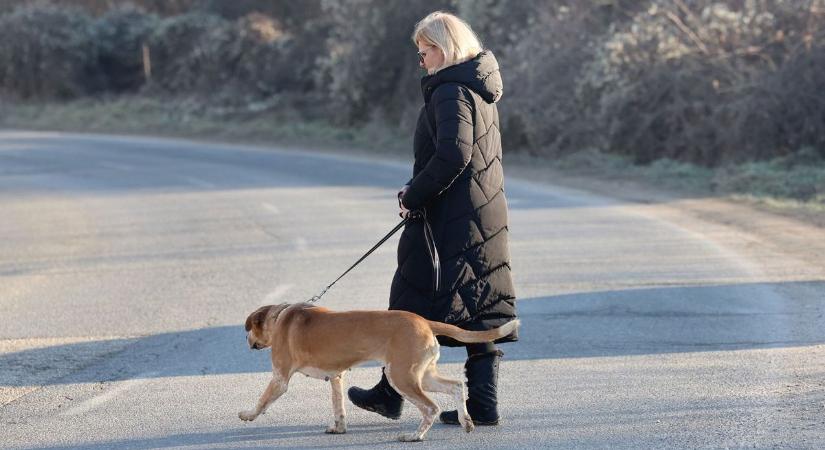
[(429, 239)]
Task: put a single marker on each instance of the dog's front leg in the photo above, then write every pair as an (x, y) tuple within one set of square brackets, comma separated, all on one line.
[(276, 388), (340, 424)]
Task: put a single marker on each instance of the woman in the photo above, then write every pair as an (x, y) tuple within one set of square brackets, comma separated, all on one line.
[(458, 184)]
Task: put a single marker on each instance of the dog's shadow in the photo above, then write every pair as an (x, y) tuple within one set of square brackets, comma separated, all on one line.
[(648, 321), (378, 434), (292, 432)]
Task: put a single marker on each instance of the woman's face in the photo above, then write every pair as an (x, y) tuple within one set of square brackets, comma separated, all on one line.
[(430, 57)]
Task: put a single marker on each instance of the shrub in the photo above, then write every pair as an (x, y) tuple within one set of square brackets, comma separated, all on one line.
[(188, 53), (543, 48), (370, 69), (48, 51), (121, 34), (711, 82), (244, 60)]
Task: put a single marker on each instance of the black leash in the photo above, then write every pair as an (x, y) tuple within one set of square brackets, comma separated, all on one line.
[(431, 249), (430, 240)]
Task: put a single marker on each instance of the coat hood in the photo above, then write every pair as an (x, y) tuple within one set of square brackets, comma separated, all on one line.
[(480, 74)]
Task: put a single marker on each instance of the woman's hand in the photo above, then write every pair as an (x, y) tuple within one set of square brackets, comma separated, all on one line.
[(403, 211)]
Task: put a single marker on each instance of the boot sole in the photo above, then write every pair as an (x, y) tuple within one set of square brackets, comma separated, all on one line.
[(476, 423), (371, 409)]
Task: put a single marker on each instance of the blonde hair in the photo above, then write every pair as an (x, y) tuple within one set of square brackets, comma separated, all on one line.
[(452, 35)]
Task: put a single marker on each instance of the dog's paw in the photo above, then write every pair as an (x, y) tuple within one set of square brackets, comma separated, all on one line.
[(247, 416), (409, 437), (336, 430), (468, 424), (338, 426)]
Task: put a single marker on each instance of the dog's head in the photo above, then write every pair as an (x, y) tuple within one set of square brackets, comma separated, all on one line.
[(259, 325)]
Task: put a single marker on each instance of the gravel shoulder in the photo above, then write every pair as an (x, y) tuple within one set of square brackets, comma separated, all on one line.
[(749, 227)]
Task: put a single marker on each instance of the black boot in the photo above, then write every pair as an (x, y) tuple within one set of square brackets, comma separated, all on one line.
[(482, 381), (382, 399)]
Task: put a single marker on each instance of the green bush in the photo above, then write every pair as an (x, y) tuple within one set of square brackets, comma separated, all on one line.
[(121, 34), (711, 81), (266, 58), (48, 51), (238, 61), (799, 176), (370, 69), (188, 53)]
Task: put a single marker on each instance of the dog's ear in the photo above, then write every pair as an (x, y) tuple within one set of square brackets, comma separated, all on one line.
[(256, 319)]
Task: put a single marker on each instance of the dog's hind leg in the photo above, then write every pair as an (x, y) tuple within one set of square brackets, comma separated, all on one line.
[(276, 388), (433, 382), (408, 385), (340, 425)]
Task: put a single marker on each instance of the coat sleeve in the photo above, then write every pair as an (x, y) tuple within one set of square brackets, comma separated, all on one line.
[(454, 145)]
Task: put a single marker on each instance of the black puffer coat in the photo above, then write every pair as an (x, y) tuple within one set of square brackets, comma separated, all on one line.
[(460, 186)]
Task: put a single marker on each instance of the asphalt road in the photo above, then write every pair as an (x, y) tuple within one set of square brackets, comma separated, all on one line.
[(127, 267)]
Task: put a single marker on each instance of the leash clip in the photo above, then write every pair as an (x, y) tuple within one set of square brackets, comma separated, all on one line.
[(315, 298)]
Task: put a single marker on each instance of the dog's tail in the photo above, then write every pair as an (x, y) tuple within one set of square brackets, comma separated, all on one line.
[(472, 337)]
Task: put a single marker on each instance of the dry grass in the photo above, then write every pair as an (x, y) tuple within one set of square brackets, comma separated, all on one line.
[(186, 118)]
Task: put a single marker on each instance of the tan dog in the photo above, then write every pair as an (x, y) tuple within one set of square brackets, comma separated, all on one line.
[(323, 344)]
